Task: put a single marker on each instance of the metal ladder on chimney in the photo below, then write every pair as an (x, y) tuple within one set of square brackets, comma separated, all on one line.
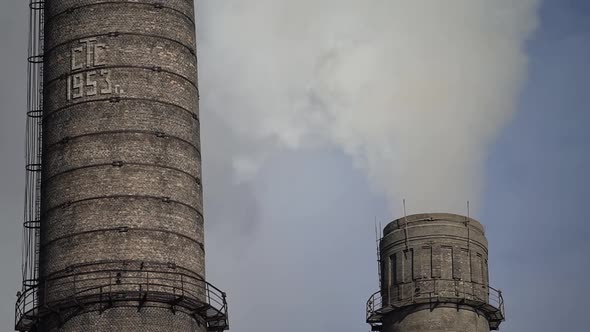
[(34, 128), (39, 138)]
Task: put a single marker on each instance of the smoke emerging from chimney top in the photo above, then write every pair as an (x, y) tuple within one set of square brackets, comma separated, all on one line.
[(414, 91)]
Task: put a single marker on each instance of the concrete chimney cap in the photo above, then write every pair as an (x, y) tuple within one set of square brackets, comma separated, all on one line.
[(425, 218)]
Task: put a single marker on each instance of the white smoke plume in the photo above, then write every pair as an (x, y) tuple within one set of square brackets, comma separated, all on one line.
[(413, 90)]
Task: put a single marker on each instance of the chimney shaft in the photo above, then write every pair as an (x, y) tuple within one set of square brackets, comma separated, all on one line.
[(434, 277), (121, 229)]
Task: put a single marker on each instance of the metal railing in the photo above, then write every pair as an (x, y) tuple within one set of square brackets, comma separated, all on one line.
[(434, 291), (101, 290)]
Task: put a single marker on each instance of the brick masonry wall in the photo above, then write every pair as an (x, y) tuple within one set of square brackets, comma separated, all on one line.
[(121, 186), (129, 320), (441, 318), (141, 116)]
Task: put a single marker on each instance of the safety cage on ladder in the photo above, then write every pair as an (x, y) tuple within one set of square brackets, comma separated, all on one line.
[(34, 136)]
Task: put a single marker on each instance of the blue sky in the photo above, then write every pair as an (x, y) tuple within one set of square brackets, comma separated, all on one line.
[(538, 176), (294, 246)]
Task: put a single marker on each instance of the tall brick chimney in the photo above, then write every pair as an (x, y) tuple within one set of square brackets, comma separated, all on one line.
[(120, 243)]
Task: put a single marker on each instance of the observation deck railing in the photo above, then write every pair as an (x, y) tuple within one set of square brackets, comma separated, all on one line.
[(481, 297), (67, 296)]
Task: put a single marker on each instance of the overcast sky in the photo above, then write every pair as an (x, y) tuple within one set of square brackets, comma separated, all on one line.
[(289, 232)]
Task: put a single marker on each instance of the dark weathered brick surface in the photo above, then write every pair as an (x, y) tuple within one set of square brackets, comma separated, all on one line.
[(436, 319), (101, 117), (135, 83), (128, 50), (129, 320), (123, 17), (128, 211), (146, 148), (59, 7), (121, 192), (139, 180), (115, 245)]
